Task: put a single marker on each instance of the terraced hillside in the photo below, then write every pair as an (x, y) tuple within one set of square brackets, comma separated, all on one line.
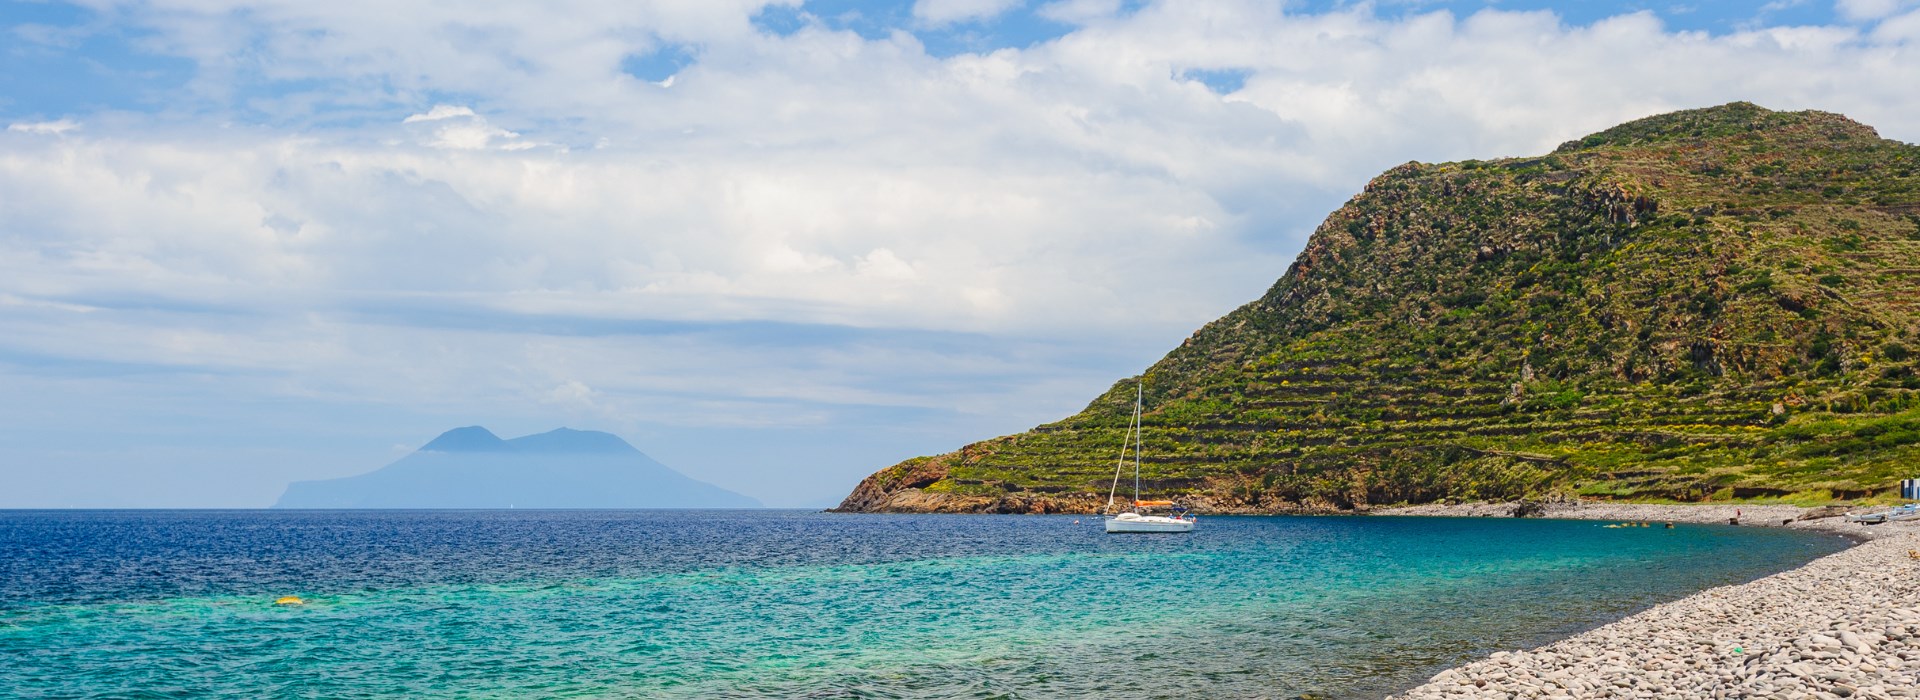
[(1706, 305)]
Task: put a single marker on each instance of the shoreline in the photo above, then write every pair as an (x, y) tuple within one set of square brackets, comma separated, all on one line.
[(1843, 625), (1820, 519)]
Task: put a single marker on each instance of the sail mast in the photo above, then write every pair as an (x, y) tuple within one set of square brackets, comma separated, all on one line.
[(1122, 464), (1140, 441)]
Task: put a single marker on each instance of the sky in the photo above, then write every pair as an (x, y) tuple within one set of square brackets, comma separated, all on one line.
[(774, 244)]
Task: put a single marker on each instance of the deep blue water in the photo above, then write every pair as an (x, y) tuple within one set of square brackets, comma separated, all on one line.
[(787, 604)]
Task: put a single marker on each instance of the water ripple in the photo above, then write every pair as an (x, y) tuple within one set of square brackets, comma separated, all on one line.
[(741, 604)]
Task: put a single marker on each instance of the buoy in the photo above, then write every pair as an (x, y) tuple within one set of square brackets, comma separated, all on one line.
[(290, 600)]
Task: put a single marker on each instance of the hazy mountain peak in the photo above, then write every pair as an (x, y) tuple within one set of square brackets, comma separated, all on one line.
[(568, 440), (472, 438), (473, 468)]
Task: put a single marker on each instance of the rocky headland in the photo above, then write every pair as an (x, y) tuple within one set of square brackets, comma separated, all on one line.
[(1712, 305)]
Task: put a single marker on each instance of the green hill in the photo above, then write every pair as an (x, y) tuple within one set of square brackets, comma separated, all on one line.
[(1706, 305)]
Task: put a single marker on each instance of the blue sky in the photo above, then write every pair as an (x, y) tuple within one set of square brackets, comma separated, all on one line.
[(777, 245)]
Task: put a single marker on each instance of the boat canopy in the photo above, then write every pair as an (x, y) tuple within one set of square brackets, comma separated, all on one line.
[(1152, 503)]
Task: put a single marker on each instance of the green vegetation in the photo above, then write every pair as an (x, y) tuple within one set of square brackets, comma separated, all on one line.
[(1716, 304)]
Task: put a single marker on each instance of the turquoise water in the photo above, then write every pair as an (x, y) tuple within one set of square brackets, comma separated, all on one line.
[(783, 604)]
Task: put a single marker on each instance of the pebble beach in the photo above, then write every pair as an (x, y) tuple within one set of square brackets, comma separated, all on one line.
[(1843, 626)]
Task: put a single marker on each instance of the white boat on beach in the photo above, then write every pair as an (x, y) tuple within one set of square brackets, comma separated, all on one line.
[(1138, 520), (1907, 512)]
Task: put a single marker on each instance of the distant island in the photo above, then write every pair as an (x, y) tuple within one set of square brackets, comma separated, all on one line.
[(1708, 305), (473, 468)]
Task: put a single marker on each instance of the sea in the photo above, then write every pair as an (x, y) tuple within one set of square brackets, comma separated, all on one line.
[(798, 604)]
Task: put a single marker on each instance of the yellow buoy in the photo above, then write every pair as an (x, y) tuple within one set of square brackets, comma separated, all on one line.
[(290, 600)]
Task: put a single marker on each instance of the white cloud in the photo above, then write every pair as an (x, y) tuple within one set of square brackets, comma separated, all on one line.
[(574, 395), (827, 178), (473, 136), (942, 12), (884, 264), (459, 128), (440, 112), (11, 300), (1902, 29), (52, 128), (1079, 11), (1868, 10)]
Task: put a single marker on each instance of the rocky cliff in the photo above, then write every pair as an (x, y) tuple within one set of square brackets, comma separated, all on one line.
[(1712, 304)]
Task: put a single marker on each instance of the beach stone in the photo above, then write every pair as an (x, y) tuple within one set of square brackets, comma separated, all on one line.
[(1843, 626)]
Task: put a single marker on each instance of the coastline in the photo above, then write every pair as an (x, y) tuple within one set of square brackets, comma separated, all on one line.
[(1823, 519), (1843, 625)]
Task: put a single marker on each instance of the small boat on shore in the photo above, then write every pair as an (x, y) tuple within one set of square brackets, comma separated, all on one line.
[(1904, 513), (1140, 519)]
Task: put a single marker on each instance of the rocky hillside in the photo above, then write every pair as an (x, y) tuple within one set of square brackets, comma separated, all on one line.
[(1713, 304)]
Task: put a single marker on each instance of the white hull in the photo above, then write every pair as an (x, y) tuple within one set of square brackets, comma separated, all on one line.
[(1129, 522), (1136, 521)]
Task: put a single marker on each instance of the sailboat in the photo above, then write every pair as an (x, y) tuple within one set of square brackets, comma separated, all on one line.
[(1137, 520)]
